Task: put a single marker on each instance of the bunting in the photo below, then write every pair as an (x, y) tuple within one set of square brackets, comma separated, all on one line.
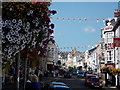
[(71, 48), (81, 19)]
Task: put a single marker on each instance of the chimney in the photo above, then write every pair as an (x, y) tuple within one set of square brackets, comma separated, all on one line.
[(116, 13), (106, 22)]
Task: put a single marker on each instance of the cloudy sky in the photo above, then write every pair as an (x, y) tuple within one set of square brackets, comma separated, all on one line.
[(78, 24)]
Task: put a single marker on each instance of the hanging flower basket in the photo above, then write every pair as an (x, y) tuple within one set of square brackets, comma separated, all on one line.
[(118, 70), (104, 69), (112, 71)]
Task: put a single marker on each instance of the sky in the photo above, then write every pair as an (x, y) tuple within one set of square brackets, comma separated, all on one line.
[(73, 33), (83, 0)]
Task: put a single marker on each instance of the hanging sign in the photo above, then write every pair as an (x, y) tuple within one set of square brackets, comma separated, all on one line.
[(108, 28), (116, 42)]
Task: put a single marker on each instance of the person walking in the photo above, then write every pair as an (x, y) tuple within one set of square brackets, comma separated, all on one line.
[(40, 74), (35, 82), (36, 72), (28, 85)]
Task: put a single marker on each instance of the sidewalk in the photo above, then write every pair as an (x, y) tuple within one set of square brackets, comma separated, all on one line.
[(9, 86), (111, 88), (44, 81)]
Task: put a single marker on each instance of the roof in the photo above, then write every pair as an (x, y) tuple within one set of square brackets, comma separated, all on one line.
[(60, 86), (91, 75), (93, 49), (58, 83), (116, 25)]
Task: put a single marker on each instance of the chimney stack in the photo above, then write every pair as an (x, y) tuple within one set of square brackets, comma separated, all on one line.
[(116, 13)]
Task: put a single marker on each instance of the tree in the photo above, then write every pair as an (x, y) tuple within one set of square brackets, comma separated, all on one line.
[(25, 26)]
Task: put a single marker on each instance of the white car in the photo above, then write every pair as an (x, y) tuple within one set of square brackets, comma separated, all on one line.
[(60, 87), (57, 83)]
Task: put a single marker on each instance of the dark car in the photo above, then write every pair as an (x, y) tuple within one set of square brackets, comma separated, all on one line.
[(67, 75), (74, 73), (95, 82), (88, 78), (81, 74)]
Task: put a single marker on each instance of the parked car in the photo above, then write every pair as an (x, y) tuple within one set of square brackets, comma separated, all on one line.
[(88, 78), (95, 82), (58, 86), (81, 74), (48, 86), (74, 73), (67, 75)]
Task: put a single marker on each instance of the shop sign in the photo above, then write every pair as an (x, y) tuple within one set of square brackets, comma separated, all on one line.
[(108, 28), (116, 42)]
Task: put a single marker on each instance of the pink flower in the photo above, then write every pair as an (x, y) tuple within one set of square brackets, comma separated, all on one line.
[(35, 1), (53, 12), (52, 26), (53, 41), (50, 39), (50, 31), (47, 19)]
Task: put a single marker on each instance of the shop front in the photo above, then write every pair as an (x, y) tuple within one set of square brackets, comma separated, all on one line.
[(50, 66)]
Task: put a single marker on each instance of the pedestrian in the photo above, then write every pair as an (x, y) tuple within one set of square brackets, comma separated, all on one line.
[(28, 85), (54, 73), (40, 74), (36, 71), (35, 82), (46, 74)]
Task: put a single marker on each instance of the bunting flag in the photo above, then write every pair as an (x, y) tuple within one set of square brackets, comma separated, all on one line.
[(71, 48), (81, 19)]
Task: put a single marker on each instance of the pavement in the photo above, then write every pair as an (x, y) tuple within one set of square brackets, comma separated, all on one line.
[(44, 81), (111, 88)]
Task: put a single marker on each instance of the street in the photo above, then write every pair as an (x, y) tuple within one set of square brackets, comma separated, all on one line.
[(78, 83), (75, 83)]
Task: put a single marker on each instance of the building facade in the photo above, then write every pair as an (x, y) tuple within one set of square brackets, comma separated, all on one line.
[(116, 45), (111, 39)]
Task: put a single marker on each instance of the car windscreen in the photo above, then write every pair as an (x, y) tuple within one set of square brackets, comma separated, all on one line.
[(95, 80), (81, 72), (89, 77)]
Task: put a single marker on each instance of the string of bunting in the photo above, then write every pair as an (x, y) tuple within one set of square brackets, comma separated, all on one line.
[(80, 19), (75, 47)]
